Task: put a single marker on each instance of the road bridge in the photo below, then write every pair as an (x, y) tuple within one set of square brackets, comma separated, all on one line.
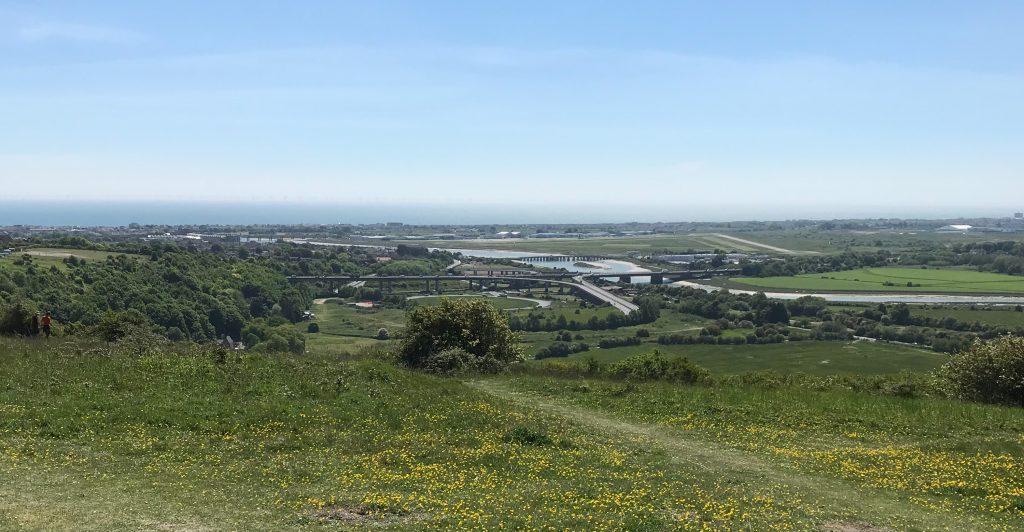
[(597, 292), (656, 277), (582, 288), (576, 281), (560, 258)]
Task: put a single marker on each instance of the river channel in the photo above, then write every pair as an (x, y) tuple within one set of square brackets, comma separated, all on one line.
[(876, 298), (610, 266)]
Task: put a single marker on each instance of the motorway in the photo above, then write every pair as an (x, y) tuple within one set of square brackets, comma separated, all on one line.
[(624, 306), (580, 284)]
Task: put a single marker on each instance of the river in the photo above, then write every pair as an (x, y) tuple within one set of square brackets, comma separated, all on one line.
[(877, 298)]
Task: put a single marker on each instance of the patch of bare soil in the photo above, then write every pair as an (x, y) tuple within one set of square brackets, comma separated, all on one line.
[(851, 526), (363, 515)]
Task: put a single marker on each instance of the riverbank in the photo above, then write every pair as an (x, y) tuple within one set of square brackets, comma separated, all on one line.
[(881, 297)]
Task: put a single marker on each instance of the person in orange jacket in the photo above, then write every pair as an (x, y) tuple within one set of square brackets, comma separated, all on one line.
[(46, 322)]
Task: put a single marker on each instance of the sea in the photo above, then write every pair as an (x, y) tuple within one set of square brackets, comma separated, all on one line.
[(122, 213), (74, 213)]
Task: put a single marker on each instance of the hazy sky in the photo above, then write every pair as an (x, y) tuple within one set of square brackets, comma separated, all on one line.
[(811, 106)]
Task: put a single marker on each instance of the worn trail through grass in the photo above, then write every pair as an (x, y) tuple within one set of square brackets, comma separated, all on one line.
[(868, 507)]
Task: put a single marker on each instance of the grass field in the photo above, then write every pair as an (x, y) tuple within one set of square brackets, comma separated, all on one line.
[(884, 463), (837, 241), (47, 257), (60, 253), (1007, 318), (96, 439), (502, 303), (875, 279), (815, 358), (347, 329), (611, 246), (181, 442)]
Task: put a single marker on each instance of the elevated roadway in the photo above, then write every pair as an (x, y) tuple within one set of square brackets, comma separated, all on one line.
[(625, 277), (603, 295), (575, 281)]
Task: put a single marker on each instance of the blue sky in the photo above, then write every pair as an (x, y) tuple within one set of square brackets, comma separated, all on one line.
[(781, 109)]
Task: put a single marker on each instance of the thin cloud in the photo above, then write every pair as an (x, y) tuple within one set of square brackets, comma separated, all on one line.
[(63, 31)]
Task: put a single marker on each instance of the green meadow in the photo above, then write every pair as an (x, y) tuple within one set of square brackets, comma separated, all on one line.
[(929, 280), (182, 437), (812, 357)]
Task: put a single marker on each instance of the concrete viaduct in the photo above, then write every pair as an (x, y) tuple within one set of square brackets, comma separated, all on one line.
[(575, 281)]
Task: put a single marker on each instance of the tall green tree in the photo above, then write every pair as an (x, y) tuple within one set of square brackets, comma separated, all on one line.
[(476, 327)]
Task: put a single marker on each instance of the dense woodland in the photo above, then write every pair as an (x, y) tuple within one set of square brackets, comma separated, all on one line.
[(185, 293)]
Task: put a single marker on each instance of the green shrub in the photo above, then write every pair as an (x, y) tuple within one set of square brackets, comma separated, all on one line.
[(527, 436), (655, 366), (452, 361), (174, 334), (15, 319), (989, 372), (475, 327), (114, 326), (313, 328)]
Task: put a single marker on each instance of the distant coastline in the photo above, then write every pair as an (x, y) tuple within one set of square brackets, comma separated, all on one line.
[(58, 213)]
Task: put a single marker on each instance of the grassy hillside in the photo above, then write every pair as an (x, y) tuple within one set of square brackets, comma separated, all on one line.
[(898, 463), (144, 438), (180, 440), (816, 358)]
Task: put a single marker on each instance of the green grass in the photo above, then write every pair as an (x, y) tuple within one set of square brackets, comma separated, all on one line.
[(50, 257), (1007, 318), (874, 279), (611, 246), (913, 463), (61, 253), (346, 328), (502, 303), (568, 309), (100, 440), (816, 358), (143, 437)]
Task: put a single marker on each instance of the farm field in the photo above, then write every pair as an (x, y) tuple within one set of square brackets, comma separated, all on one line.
[(347, 328), (890, 280), (1006, 318), (47, 257), (59, 253), (502, 303), (811, 357), (184, 440), (612, 246), (836, 241)]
